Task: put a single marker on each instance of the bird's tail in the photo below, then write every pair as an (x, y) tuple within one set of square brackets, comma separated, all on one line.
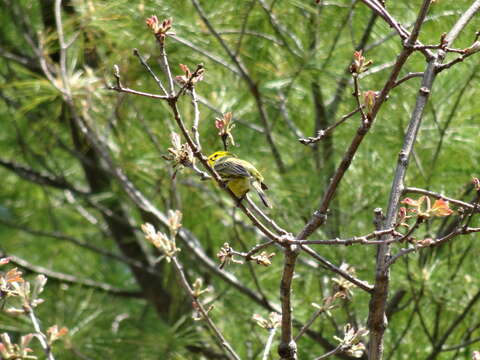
[(261, 194)]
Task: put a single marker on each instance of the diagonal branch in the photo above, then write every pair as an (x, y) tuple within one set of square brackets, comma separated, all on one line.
[(66, 278), (377, 323), (251, 85), (198, 305), (80, 243), (40, 178)]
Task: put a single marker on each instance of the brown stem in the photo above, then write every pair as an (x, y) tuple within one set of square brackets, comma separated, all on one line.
[(453, 234), (198, 305), (438, 196), (173, 105), (322, 133), (150, 71), (287, 348), (251, 85), (378, 301), (327, 264), (365, 239), (70, 279)]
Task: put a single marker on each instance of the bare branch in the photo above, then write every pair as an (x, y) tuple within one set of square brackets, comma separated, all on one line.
[(80, 243), (381, 11), (460, 346), (265, 218), (432, 243), (66, 278), (268, 344), (438, 196), (251, 84), (327, 264), (287, 348), (408, 77), (448, 65), (335, 351), (365, 239), (322, 133), (198, 305), (150, 71), (40, 178), (196, 119), (42, 338), (119, 88), (309, 322)]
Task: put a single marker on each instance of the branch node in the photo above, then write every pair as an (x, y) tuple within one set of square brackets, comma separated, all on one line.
[(424, 90), (288, 350)]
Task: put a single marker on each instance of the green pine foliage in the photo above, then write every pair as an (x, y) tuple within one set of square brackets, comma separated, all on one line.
[(36, 132)]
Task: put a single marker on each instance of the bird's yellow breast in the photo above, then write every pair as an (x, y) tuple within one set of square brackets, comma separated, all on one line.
[(239, 186)]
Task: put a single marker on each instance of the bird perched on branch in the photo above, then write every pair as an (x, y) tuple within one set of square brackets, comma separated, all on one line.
[(239, 175)]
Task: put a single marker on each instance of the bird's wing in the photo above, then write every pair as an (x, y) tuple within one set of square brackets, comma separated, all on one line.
[(231, 169)]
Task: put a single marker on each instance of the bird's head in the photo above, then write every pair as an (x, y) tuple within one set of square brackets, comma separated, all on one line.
[(217, 155)]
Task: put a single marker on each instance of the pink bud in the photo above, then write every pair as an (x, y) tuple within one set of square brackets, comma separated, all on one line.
[(219, 124)]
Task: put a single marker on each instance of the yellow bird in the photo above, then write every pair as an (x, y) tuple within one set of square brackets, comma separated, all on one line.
[(239, 175)]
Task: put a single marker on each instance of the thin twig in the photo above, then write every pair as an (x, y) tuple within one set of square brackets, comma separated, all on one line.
[(457, 60), (66, 278), (356, 95), (365, 239), (135, 92), (322, 133), (150, 71), (265, 218), (80, 243), (453, 234), (42, 338), (380, 10), (165, 64), (309, 323), (327, 264), (335, 351), (251, 84), (257, 248), (408, 77), (438, 196), (120, 88), (268, 345), (196, 119), (198, 305)]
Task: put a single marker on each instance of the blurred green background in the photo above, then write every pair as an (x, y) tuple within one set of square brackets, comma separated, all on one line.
[(297, 54)]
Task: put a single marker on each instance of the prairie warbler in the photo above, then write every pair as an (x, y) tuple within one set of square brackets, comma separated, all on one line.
[(239, 175)]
